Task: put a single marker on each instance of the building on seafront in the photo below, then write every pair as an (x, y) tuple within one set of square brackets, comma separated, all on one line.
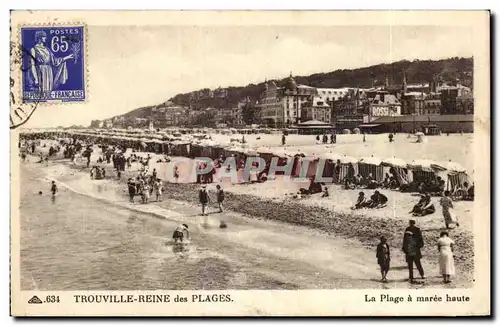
[(286, 103), (382, 104), (456, 99), (350, 110), (446, 123), (293, 103), (317, 109), (281, 106)]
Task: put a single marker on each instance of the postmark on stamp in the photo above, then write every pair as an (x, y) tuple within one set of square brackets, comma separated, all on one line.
[(53, 64)]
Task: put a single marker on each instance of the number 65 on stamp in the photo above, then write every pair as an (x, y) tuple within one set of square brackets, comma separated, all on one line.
[(53, 63)]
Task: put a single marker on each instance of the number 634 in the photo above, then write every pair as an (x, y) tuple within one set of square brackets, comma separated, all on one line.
[(52, 299)]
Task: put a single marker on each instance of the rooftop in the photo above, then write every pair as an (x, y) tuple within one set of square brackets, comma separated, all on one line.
[(313, 123), (429, 118)]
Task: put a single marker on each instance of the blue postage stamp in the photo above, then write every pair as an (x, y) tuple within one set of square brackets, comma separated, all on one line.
[(54, 61)]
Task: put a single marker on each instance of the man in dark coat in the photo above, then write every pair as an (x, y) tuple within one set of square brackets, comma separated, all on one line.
[(412, 244)]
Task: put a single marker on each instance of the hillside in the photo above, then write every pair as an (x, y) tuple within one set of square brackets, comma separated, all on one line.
[(417, 71)]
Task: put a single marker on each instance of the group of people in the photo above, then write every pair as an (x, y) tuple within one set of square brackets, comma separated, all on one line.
[(144, 185), (353, 181), (377, 200), (97, 173), (412, 248), (324, 139), (425, 206), (205, 199)]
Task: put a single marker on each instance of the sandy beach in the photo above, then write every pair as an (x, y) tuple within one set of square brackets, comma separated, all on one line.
[(330, 216)]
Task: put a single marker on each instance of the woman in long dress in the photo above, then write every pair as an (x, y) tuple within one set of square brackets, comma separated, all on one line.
[(446, 260), (447, 205), (47, 70)]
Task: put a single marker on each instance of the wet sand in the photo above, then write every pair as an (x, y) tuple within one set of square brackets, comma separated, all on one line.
[(342, 245)]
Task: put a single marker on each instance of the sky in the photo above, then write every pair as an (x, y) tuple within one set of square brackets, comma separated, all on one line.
[(134, 66)]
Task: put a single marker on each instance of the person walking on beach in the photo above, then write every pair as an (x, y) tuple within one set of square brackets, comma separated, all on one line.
[(220, 197), (204, 199), (176, 174), (334, 138), (159, 191), (283, 140), (412, 244), (131, 189), (447, 205), (383, 257), (53, 188), (446, 260)]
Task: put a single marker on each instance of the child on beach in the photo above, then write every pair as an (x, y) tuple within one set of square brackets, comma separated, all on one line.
[(383, 257), (53, 188), (220, 197), (179, 233)]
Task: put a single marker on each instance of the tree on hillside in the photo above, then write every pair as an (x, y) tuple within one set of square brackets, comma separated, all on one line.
[(205, 119), (250, 114), (228, 119), (417, 71)]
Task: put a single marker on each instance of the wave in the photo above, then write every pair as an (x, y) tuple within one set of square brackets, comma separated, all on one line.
[(151, 210)]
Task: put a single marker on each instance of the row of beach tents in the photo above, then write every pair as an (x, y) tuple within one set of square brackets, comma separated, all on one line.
[(199, 145)]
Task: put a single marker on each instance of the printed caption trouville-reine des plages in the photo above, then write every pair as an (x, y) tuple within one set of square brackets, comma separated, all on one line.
[(151, 298)]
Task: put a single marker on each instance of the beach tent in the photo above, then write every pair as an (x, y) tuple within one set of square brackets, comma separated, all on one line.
[(344, 165), (330, 156), (423, 170), (330, 161), (371, 165), (346, 131), (301, 161), (356, 131), (398, 168), (453, 173), (266, 153)]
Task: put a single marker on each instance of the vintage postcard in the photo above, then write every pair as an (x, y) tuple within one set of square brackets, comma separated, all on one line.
[(250, 163)]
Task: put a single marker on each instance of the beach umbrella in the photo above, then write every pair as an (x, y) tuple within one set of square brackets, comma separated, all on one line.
[(330, 156), (453, 166), (450, 166), (422, 164), (395, 162), (281, 152), (347, 159), (371, 160), (251, 152), (264, 150)]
